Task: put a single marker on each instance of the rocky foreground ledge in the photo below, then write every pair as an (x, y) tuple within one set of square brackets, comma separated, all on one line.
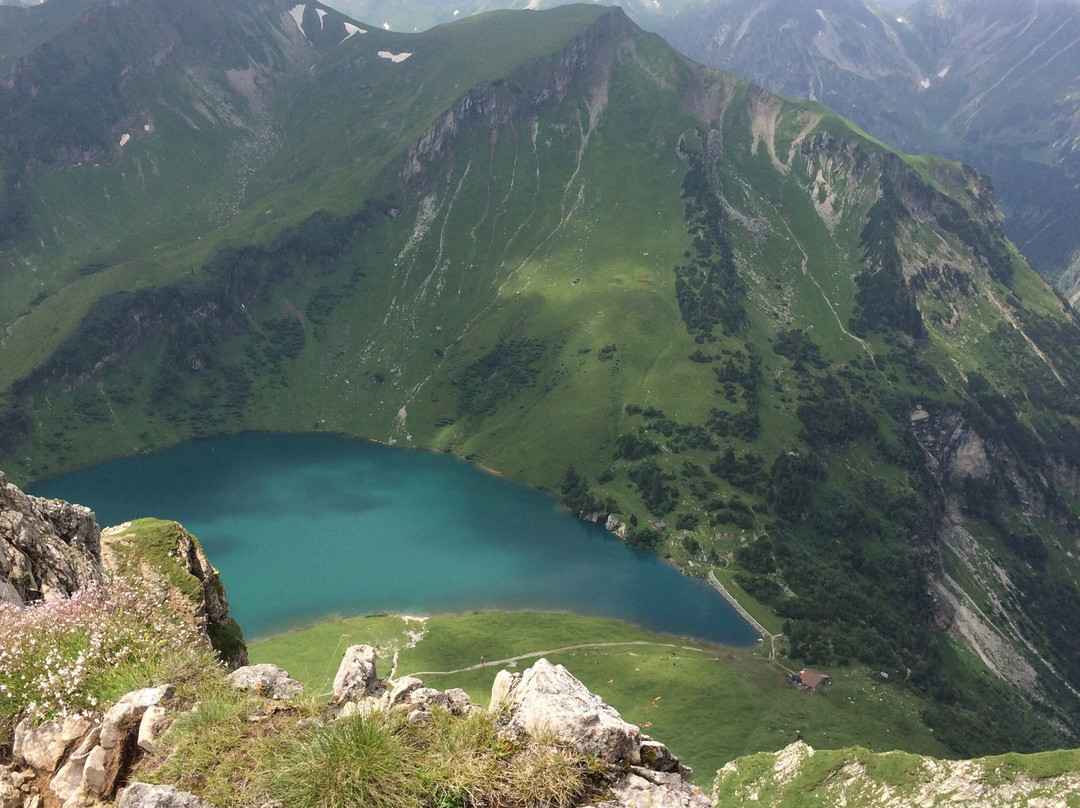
[(85, 762)]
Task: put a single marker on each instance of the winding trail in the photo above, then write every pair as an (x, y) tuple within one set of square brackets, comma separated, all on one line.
[(533, 654)]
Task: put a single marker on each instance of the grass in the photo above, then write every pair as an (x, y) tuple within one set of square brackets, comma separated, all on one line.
[(709, 704)]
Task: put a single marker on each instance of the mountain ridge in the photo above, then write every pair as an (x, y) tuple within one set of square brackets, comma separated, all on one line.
[(657, 289)]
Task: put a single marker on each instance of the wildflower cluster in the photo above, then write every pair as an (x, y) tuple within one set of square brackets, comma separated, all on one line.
[(65, 656)]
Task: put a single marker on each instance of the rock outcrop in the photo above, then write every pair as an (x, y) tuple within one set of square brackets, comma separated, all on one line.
[(48, 548), (798, 775), (80, 761), (166, 552)]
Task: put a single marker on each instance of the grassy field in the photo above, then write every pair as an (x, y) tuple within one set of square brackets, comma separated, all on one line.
[(710, 704)]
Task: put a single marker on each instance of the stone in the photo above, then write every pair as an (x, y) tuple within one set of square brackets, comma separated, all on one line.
[(154, 722), (96, 772), (458, 701), (656, 756), (43, 748), (403, 687), (547, 699), (48, 548), (143, 795), (69, 778), (266, 680), (120, 720), (356, 677), (149, 696), (10, 796), (644, 788)]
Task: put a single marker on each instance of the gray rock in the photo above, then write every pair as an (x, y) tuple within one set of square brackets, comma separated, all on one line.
[(547, 699), (69, 778), (120, 721), (98, 777), (403, 688), (643, 788), (154, 722), (142, 795), (656, 756), (356, 678), (48, 548), (43, 748), (266, 680)]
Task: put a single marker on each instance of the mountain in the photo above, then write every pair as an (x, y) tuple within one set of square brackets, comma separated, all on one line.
[(759, 341), (990, 82)]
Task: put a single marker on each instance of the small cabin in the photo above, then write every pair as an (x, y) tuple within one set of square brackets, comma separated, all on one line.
[(813, 680)]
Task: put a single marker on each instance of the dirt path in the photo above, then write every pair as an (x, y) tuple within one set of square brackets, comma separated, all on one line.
[(535, 654)]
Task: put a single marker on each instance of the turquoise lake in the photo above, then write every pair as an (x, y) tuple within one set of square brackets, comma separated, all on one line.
[(309, 527)]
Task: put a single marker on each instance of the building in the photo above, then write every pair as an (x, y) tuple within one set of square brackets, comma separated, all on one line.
[(813, 680)]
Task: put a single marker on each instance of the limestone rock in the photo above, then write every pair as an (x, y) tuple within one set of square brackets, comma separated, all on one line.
[(403, 688), (48, 548), (69, 778), (266, 680), (122, 719), (143, 795), (154, 722), (548, 699), (644, 788), (43, 748), (356, 677), (658, 757)]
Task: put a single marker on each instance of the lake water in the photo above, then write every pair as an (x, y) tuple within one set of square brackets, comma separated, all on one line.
[(308, 527)]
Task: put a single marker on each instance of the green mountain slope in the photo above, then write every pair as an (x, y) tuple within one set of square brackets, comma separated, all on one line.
[(989, 82), (549, 243), (805, 777)]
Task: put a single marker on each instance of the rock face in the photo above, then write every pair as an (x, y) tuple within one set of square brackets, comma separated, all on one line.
[(48, 548), (83, 761), (167, 552)]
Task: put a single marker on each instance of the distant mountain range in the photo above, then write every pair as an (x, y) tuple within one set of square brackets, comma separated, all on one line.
[(730, 325), (994, 83)]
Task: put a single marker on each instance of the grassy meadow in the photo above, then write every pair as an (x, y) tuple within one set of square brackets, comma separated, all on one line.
[(708, 703)]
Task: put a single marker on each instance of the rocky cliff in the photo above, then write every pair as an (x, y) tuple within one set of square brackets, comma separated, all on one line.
[(50, 549)]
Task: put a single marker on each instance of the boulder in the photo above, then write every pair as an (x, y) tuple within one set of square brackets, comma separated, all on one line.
[(143, 795), (547, 699), (154, 722), (43, 748), (266, 680), (69, 778), (356, 678), (403, 688)]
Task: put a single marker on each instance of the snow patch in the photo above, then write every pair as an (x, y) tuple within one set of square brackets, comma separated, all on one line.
[(394, 57), (925, 84), (821, 14), (944, 72), (321, 13), (297, 13), (124, 138), (351, 30)]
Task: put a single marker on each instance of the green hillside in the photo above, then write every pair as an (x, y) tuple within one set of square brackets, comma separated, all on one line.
[(548, 243)]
